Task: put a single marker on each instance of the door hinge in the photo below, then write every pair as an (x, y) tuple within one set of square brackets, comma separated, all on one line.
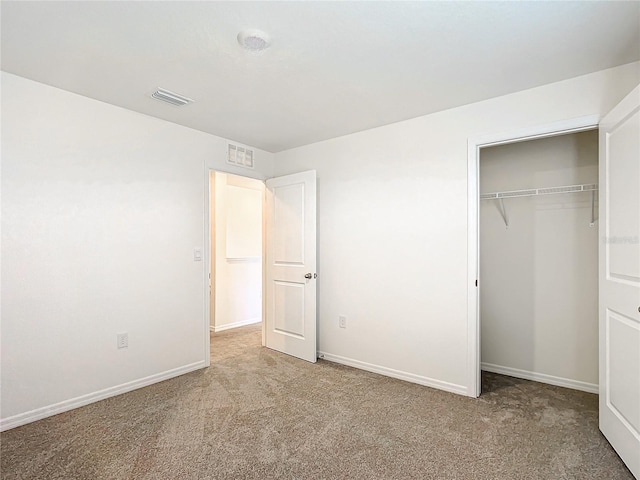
[(476, 283)]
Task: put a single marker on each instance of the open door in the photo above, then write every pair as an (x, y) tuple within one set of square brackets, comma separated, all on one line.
[(290, 293), (620, 279)]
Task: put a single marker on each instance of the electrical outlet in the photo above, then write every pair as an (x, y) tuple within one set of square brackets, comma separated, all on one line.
[(123, 340), (342, 321)]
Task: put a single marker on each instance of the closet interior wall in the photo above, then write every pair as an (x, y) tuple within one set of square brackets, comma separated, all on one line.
[(539, 275)]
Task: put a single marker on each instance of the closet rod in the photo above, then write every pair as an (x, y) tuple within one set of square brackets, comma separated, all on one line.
[(532, 192), (587, 187)]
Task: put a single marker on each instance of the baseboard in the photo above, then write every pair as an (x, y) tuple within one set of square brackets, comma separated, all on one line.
[(390, 372), (56, 408), (242, 323), (541, 377)]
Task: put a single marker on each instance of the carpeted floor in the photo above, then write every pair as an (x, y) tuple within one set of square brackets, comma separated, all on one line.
[(256, 413)]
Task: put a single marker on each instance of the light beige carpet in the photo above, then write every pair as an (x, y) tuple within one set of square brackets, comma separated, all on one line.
[(258, 414)]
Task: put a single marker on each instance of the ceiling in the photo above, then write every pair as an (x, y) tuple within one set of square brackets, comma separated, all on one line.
[(333, 68)]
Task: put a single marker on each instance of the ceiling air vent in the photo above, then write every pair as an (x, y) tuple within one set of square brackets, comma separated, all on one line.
[(240, 156), (170, 97)]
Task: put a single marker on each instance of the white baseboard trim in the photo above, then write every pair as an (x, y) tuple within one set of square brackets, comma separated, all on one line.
[(541, 377), (66, 405), (390, 372), (242, 323), (212, 328)]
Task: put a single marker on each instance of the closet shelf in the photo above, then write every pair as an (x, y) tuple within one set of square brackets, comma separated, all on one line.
[(532, 192), (588, 187)]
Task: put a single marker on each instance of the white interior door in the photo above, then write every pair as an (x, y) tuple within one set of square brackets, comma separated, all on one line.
[(290, 297), (620, 279)]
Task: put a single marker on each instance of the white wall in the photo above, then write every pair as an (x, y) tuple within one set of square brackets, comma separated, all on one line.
[(539, 276), (392, 209), (101, 210), (102, 207), (238, 251)]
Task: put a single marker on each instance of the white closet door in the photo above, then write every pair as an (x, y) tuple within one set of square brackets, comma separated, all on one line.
[(619, 316)]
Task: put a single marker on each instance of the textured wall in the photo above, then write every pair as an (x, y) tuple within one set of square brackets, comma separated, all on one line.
[(392, 209), (101, 211)]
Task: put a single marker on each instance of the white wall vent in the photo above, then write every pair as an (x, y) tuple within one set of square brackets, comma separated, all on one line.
[(240, 156), (170, 97)]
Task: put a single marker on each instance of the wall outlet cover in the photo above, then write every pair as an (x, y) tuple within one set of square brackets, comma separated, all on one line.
[(123, 340)]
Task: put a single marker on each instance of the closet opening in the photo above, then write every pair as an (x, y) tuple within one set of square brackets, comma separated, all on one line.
[(538, 260), (236, 207)]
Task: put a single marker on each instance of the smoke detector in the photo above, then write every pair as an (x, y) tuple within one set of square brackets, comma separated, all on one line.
[(254, 40), (170, 97)]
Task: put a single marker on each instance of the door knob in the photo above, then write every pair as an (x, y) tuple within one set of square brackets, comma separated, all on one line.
[(308, 276)]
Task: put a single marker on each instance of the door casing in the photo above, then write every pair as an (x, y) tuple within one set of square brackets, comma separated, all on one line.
[(206, 258), (474, 145), (209, 280)]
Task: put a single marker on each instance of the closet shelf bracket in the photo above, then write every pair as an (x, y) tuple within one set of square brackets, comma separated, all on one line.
[(503, 211), (593, 208)]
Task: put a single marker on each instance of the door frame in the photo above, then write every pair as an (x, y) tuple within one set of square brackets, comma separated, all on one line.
[(209, 276), (474, 145)]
